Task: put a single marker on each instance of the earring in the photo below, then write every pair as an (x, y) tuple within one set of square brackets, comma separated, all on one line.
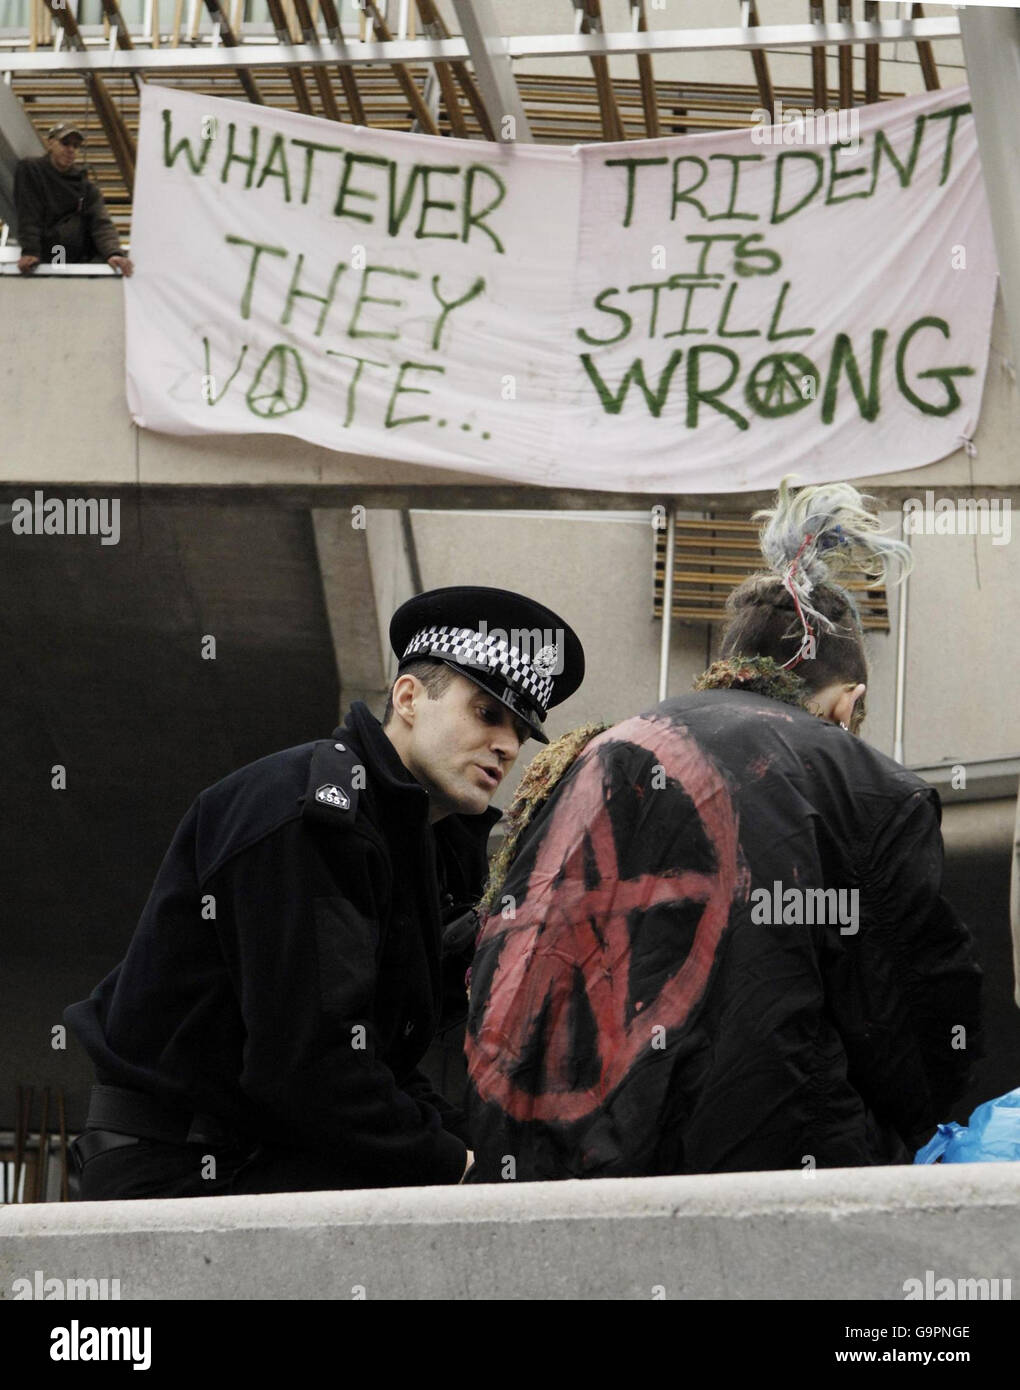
[(844, 726)]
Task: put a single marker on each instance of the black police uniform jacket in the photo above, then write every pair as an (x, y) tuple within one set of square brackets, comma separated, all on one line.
[(285, 975), (648, 996)]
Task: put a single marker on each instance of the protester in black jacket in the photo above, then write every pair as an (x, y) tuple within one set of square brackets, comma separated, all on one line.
[(264, 1030), (60, 210), (716, 940)]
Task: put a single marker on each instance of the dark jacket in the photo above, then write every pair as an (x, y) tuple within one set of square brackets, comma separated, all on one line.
[(285, 975), (67, 210), (635, 1011)]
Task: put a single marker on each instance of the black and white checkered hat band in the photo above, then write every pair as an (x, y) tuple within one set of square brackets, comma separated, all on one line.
[(488, 652)]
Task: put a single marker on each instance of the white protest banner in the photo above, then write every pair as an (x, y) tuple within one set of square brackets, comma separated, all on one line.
[(697, 314)]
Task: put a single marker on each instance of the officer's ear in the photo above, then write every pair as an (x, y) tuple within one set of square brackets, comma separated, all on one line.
[(405, 693)]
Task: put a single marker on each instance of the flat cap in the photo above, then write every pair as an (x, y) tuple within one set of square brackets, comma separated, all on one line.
[(58, 132)]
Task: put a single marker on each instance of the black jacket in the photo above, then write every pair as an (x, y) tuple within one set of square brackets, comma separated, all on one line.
[(285, 974), (56, 209), (635, 1011)]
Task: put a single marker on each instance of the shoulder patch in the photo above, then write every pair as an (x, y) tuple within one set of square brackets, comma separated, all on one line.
[(333, 796), (333, 781)]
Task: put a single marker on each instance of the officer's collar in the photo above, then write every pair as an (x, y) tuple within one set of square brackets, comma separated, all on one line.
[(389, 773), (476, 827)]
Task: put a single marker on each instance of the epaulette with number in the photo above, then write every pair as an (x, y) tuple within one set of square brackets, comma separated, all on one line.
[(333, 781)]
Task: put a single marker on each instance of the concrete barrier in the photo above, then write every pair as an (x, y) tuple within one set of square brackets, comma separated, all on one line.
[(837, 1234)]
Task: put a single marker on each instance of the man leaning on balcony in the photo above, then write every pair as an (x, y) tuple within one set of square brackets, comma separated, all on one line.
[(62, 218)]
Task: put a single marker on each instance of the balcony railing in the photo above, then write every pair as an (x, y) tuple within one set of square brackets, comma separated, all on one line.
[(29, 24)]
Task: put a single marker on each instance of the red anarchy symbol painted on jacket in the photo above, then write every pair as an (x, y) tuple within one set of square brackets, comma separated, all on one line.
[(562, 924)]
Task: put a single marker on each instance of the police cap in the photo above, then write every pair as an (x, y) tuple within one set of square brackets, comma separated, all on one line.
[(516, 649)]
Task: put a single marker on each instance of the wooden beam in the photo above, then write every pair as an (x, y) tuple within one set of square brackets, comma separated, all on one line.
[(230, 40), (761, 68), (819, 68), (121, 144), (646, 77), (926, 56), (432, 27), (113, 15), (278, 19), (466, 81), (591, 23), (402, 73), (871, 57), (347, 79), (845, 14), (323, 85)]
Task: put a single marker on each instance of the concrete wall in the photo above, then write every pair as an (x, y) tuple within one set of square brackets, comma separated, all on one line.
[(963, 650), (71, 331), (597, 574), (65, 420), (839, 1234)]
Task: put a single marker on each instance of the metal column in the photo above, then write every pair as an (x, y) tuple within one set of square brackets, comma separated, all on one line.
[(667, 604), (493, 68), (900, 703)]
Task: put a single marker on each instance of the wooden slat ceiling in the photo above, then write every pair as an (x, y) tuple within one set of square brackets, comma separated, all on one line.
[(561, 109), (714, 555)]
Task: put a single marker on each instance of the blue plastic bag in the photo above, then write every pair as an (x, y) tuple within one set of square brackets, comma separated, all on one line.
[(992, 1135)]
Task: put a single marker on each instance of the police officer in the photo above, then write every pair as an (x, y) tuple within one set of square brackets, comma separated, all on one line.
[(264, 1030)]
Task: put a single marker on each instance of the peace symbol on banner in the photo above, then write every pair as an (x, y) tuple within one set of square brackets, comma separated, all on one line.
[(578, 914)]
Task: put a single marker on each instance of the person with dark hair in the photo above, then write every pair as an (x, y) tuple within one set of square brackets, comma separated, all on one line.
[(264, 1031), (61, 214), (715, 938)]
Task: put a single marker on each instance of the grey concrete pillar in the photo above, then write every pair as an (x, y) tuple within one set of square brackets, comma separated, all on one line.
[(991, 45), (18, 140)]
